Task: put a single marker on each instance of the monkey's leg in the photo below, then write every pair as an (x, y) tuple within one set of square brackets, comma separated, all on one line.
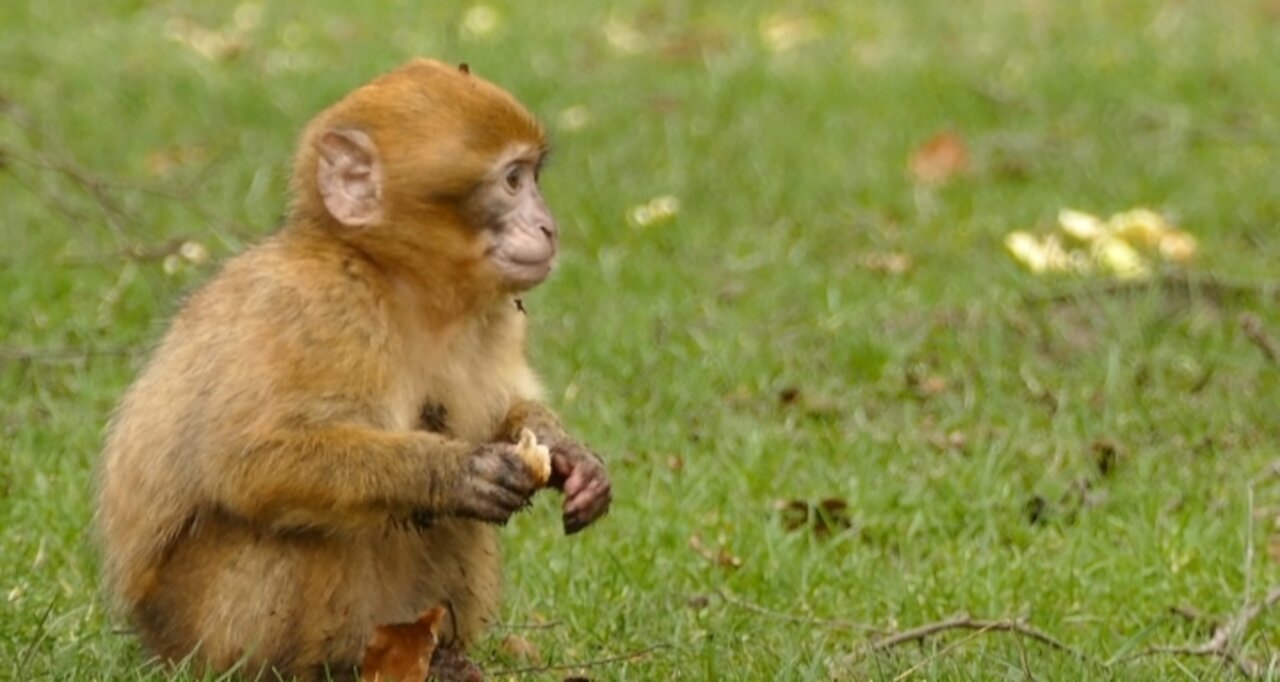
[(300, 604)]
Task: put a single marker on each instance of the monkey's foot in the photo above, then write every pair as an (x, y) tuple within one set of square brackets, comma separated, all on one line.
[(452, 665)]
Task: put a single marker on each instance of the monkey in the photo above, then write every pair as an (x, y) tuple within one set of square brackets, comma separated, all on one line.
[(323, 441)]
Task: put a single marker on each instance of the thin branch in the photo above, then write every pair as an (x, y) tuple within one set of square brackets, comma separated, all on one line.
[(940, 653), (837, 624), (1257, 334), (593, 663), (549, 625), (1194, 616), (61, 355), (1222, 644), (964, 622), (1190, 286), (85, 177)]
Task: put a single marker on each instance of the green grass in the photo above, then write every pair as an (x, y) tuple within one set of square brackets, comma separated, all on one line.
[(676, 340)]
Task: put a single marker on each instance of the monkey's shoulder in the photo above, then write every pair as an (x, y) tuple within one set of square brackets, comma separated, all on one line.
[(283, 286)]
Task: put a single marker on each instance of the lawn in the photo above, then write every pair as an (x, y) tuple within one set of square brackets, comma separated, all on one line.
[(833, 406)]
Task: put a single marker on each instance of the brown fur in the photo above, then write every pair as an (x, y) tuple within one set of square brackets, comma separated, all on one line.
[(256, 476)]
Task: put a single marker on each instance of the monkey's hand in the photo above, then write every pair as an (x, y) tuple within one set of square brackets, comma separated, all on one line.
[(496, 483), (581, 475)]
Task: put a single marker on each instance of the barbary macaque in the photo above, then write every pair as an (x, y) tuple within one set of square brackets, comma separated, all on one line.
[(325, 440)]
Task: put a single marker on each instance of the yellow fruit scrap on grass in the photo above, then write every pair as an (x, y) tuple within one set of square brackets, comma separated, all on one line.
[(1121, 246)]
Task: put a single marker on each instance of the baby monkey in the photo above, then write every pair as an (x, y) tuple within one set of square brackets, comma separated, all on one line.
[(326, 438)]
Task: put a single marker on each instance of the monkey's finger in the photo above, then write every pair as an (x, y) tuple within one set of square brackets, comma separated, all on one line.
[(578, 481), (581, 493), (561, 468), (495, 504), (582, 510), (577, 522)]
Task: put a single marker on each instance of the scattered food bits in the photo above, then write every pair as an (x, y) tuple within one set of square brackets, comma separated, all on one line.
[(657, 210), (1123, 246)]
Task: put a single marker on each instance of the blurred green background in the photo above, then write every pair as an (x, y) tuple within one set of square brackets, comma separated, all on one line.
[(828, 396)]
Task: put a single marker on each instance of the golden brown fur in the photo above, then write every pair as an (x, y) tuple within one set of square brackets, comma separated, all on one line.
[(260, 477)]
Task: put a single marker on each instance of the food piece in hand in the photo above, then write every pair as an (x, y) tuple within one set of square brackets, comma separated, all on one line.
[(537, 457), (402, 652)]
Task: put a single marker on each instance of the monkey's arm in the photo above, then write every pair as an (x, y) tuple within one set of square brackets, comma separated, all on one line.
[(343, 475), (575, 469)]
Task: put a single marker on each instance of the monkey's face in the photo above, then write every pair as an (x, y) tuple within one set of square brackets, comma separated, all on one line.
[(442, 167), (518, 230)]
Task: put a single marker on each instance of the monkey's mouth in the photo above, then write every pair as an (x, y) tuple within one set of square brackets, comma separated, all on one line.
[(525, 272)]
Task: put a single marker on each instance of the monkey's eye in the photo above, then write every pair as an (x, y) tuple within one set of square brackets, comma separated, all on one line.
[(513, 178)]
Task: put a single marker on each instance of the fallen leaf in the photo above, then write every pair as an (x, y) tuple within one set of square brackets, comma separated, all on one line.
[(785, 31), (1036, 510), (480, 22), (940, 159), (954, 441), (1105, 454), (520, 649), (164, 162), (624, 36), (698, 602), (653, 212), (887, 263), (574, 118), (811, 405), (826, 518), (401, 652), (722, 557), (793, 513)]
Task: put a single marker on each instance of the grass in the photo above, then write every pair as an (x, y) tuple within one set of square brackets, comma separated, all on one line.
[(963, 409)]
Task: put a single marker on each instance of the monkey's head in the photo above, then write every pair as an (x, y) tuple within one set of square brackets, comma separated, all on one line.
[(434, 171)]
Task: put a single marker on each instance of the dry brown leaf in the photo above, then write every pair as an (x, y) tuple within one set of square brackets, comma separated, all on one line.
[(163, 162), (1106, 452), (940, 159), (826, 518), (887, 263), (402, 652), (953, 441), (811, 404), (722, 557)]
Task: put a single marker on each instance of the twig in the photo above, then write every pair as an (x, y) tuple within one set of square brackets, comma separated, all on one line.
[(57, 355), (593, 663), (836, 624), (940, 653), (1220, 645), (1258, 336), (1187, 285), (37, 637), (964, 622), (549, 625), (86, 177), (1194, 615)]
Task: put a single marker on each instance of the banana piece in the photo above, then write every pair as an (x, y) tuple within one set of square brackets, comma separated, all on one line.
[(537, 457)]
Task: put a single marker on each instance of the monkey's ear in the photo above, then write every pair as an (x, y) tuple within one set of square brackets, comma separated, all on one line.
[(349, 176)]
